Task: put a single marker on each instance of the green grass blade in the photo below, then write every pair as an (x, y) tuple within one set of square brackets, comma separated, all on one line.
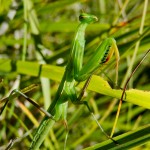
[(128, 140), (97, 84)]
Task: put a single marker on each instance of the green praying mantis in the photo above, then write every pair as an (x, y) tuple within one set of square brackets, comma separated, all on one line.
[(75, 72)]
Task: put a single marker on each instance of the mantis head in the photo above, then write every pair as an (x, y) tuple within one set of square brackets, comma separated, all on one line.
[(87, 18)]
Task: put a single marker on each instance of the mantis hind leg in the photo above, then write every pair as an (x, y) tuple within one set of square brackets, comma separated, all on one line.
[(99, 125), (79, 102)]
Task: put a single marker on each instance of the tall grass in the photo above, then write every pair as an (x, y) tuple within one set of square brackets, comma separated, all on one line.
[(41, 32)]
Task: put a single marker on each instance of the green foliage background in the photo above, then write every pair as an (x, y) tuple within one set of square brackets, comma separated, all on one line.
[(41, 32)]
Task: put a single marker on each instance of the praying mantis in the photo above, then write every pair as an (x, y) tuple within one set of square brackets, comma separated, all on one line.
[(76, 72)]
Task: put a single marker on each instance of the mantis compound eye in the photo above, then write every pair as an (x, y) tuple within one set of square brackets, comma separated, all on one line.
[(87, 18), (81, 17)]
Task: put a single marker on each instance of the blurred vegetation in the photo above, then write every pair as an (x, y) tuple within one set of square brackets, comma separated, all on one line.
[(41, 31)]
